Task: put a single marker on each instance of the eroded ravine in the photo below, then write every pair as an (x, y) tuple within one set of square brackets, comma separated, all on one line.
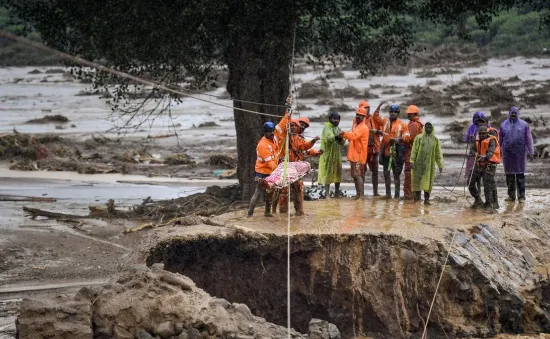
[(375, 284)]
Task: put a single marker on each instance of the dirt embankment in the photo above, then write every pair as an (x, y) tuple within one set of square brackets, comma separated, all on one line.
[(374, 285)]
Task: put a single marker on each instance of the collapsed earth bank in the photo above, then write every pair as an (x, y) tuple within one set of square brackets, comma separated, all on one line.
[(376, 285)]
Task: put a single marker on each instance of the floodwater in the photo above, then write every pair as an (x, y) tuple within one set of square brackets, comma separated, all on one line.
[(26, 96), (378, 215)]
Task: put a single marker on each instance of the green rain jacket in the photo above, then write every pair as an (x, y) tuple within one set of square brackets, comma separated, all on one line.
[(330, 163), (425, 154)]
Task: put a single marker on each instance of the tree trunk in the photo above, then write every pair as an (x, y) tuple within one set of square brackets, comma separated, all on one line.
[(258, 74)]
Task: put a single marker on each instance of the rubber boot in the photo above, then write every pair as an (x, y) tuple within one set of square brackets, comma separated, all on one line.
[(478, 203), (375, 186), (397, 188), (387, 182), (417, 195), (427, 198), (495, 199), (511, 183), (521, 187), (337, 193), (267, 212)]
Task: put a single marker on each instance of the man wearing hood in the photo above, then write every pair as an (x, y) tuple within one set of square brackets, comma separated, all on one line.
[(487, 154), (516, 141), (330, 163), (425, 154)]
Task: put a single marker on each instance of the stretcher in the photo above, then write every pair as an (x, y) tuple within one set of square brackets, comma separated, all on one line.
[(294, 172)]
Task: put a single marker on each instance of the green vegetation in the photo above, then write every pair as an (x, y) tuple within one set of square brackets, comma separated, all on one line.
[(13, 54), (511, 33)]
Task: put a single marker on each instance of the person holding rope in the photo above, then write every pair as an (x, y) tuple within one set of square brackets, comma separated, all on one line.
[(470, 138), (487, 155), (267, 158), (375, 130), (392, 149), (425, 154), (330, 163), (517, 145), (357, 152), (297, 148)]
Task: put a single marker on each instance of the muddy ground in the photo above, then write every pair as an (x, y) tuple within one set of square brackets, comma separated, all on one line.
[(103, 163)]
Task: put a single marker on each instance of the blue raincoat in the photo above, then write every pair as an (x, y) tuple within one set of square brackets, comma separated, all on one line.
[(516, 141)]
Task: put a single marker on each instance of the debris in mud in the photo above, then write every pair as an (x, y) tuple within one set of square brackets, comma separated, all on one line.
[(208, 124), (302, 107), (136, 156), (179, 159), (35, 71), (54, 71), (390, 91), (324, 102), (142, 302), (48, 119), (222, 160), (311, 90), (341, 107), (24, 146), (434, 101), (456, 130)]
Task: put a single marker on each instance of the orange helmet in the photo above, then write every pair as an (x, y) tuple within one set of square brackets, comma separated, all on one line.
[(412, 109), (364, 103), (361, 111), (295, 121), (305, 120)]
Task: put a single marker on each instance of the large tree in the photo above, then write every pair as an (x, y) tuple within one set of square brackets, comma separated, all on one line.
[(169, 40)]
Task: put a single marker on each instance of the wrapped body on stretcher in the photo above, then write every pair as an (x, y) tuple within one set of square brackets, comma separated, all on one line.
[(295, 171)]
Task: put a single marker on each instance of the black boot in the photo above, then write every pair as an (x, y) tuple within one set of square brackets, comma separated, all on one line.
[(417, 195), (387, 182), (267, 212), (520, 178), (397, 188), (375, 185), (495, 199), (478, 203), (427, 198), (511, 183)]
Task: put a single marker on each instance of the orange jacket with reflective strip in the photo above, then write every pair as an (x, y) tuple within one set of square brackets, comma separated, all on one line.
[(267, 156), (267, 151), (372, 124), (391, 130), (482, 146), (358, 143)]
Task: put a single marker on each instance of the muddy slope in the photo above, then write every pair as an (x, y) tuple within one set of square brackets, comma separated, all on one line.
[(377, 285)]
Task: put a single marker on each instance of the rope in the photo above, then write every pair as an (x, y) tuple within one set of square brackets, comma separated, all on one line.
[(288, 198), (123, 75), (236, 100)]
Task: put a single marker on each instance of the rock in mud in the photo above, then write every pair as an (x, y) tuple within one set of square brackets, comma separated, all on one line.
[(141, 303), (321, 329)]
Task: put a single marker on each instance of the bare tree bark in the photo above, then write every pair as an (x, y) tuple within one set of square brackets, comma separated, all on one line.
[(263, 78)]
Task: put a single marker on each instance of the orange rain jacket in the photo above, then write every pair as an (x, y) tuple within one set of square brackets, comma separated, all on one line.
[(482, 148), (415, 128), (268, 152), (358, 143), (391, 130)]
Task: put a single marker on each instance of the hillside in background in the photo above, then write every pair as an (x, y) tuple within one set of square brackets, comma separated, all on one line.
[(512, 33)]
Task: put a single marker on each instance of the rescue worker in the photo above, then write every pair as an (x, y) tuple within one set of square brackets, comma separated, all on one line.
[(304, 124), (517, 145), (487, 155), (330, 163), (357, 153), (394, 134), (494, 133), (267, 158), (297, 148), (415, 128), (470, 138), (375, 132), (425, 154)]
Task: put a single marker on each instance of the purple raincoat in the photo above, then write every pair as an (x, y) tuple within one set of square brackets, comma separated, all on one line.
[(469, 137), (516, 141)]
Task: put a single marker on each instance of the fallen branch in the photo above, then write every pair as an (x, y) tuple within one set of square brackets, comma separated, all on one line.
[(35, 212)]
